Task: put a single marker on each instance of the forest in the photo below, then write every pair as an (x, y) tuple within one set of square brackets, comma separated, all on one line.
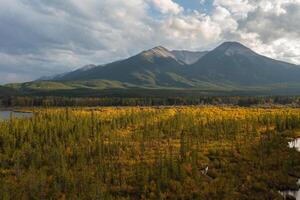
[(63, 101), (182, 152)]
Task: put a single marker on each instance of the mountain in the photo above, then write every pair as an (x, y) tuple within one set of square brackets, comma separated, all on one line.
[(234, 63), (188, 57), (151, 68), (229, 67), (59, 76), (75, 73)]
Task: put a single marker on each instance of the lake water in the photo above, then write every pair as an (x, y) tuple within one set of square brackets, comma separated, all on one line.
[(296, 194), (6, 114), (295, 144)]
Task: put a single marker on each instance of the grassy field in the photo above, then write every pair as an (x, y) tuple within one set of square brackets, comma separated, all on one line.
[(150, 153)]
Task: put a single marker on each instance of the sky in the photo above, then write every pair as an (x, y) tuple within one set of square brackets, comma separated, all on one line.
[(42, 37)]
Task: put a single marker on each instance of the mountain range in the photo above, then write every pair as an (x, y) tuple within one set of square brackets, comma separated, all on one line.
[(230, 66)]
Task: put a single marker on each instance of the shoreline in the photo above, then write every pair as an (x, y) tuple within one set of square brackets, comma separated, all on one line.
[(17, 110)]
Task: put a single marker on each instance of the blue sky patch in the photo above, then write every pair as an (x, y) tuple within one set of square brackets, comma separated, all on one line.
[(205, 7)]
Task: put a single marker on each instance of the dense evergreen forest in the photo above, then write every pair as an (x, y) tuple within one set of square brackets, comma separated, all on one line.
[(29, 101), (191, 152)]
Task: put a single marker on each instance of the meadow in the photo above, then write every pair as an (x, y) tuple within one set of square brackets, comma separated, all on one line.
[(188, 152)]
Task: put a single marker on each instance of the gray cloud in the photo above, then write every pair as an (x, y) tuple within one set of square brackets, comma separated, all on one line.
[(271, 26)]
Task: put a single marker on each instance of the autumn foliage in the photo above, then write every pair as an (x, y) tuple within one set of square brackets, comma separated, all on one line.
[(149, 153)]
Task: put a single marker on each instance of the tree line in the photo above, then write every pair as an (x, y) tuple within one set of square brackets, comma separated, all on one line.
[(28, 101)]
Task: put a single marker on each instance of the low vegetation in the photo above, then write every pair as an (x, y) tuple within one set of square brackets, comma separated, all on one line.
[(149, 153)]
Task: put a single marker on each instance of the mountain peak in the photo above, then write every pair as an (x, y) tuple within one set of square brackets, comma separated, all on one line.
[(159, 48), (232, 44), (158, 51), (232, 48)]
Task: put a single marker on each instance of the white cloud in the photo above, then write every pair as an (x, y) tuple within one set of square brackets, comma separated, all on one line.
[(224, 19), (189, 31), (275, 6), (276, 29), (238, 8), (167, 6)]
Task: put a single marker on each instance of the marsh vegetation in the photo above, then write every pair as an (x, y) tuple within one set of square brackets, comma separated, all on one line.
[(189, 152)]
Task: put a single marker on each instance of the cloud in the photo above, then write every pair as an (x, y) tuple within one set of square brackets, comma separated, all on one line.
[(68, 34), (191, 30), (276, 28), (40, 37), (225, 20), (272, 24), (238, 8), (202, 2), (167, 6)]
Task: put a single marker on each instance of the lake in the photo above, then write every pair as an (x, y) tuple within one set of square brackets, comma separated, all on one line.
[(4, 115), (295, 144)]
